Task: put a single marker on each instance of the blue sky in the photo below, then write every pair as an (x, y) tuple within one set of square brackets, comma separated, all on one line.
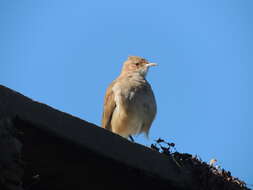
[(65, 53)]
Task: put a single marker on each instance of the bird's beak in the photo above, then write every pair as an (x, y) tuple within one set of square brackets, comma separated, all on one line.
[(151, 64)]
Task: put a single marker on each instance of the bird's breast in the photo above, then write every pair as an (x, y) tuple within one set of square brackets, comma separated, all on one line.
[(135, 107)]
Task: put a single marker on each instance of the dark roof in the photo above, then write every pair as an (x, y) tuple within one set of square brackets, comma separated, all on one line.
[(61, 151)]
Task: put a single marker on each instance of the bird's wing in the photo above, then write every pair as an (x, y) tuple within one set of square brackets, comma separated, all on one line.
[(109, 107)]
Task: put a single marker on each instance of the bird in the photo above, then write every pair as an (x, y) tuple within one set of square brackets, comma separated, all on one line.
[(129, 102)]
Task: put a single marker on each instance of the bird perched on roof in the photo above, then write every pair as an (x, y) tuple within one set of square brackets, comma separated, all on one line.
[(129, 104)]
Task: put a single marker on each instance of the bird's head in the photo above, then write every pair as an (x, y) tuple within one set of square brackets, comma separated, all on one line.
[(135, 64)]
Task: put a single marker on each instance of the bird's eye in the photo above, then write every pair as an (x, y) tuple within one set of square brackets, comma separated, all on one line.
[(137, 64)]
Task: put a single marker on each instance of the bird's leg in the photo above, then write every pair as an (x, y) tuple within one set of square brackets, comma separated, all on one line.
[(131, 138)]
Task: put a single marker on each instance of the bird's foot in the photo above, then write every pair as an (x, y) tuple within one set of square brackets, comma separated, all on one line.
[(131, 138)]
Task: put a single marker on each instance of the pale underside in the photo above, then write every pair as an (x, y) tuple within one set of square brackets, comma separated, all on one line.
[(129, 106)]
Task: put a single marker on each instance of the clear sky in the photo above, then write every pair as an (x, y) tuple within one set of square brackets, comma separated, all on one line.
[(65, 53)]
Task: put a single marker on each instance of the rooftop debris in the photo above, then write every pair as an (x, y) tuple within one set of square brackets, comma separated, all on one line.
[(207, 174)]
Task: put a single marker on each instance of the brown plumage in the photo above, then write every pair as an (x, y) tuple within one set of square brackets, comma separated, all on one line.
[(129, 104)]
